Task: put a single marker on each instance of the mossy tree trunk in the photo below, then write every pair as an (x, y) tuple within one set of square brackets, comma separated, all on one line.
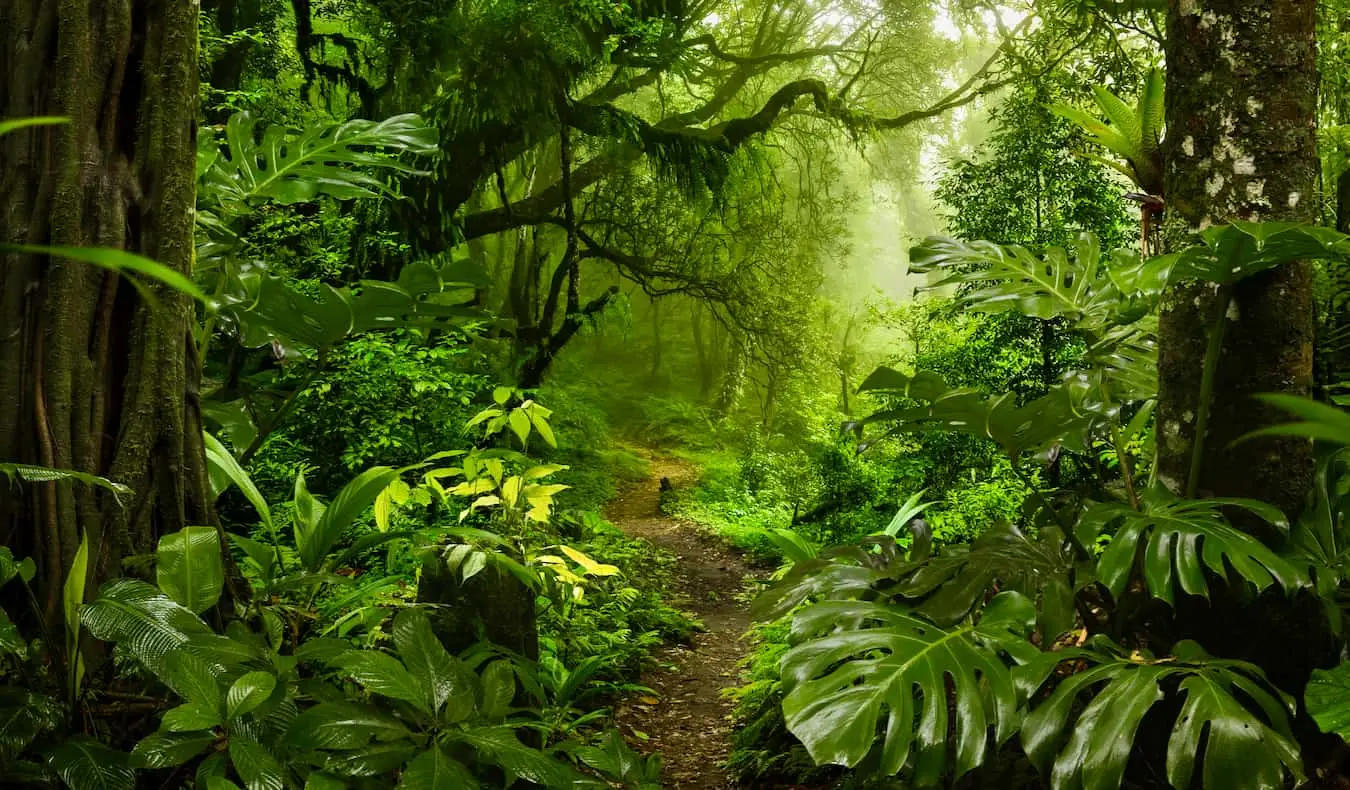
[(92, 377), (1241, 145)]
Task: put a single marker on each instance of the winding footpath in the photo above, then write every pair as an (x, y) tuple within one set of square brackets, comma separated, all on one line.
[(690, 722)]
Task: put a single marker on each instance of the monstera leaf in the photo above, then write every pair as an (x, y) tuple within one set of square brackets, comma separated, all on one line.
[(1232, 252), (1082, 287), (1180, 540), (1232, 730), (1061, 417), (325, 159), (261, 308), (866, 678)]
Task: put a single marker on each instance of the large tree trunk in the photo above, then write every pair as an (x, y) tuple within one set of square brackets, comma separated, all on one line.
[(92, 377), (1241, 144)]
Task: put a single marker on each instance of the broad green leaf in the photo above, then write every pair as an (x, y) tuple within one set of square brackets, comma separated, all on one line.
[(167, 749), (225, 469), (142, 620), (520, 424), (257, 766), (433, 769), (1233, 723), (248, 692), (24, 715), (1317, 420), (324, 159), (499, 688), (851, 689), (440, 677), (1180, 540), (193, 678), (85, 764), (189, 568), (383, 674), (1233, 252), (373, 760), (191, 717), (354, 499), (502, 746), (1327, 696), (343, 725)]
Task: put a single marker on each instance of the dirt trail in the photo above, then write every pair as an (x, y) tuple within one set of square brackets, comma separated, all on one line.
[(689, 725)]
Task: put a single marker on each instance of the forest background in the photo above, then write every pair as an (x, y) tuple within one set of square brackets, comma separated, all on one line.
[(457, 270)]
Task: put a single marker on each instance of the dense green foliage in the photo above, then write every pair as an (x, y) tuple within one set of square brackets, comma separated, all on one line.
[(462, 269)]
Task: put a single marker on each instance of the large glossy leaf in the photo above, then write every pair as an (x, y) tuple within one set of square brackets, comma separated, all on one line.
[(251, 690), (24, 715), (1235, 251), (256, 765), (441, 677), (1180, 540), (142, 620), (167, 749), (324, 159), (501, 745), (86, 764), (1233, 726), (344, 725), (189, 568), (225, 469), (1060, 417), (866, 668), (433, 769), (314, 543), (1327, 696), (1076, 284), (383, 674)]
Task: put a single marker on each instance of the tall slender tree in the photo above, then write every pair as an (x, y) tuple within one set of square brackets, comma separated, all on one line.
[(93, 376), (1238, 149)]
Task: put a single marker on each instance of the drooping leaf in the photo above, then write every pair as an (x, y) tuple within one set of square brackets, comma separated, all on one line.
[(86, 764), (167, 749), (499, 688), (225, 469), (502, 746), (1327, 696), (324, 159), (344, 725), (1233, 724), (141, 619), (440, 677), (872, 679), (1180, 540), (433, 769), (41, 474)]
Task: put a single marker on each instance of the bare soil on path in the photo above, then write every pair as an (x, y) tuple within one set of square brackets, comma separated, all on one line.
[(690, 724)]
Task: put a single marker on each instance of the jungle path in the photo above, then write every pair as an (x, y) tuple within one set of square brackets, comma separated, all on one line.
[(690, 723)]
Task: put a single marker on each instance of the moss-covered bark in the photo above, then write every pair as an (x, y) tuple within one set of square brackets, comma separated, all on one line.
[(92, 377), (1241, 144)]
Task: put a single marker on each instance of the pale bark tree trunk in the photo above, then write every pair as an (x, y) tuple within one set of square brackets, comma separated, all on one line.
[(1241, 144), (92, 377)]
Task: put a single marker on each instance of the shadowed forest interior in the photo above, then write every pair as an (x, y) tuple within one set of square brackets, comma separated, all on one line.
[(691, 394)]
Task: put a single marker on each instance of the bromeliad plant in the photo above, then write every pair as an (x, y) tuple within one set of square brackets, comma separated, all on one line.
[(928, 661)]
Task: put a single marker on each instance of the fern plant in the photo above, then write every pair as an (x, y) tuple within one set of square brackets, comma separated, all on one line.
[(1132, 133)]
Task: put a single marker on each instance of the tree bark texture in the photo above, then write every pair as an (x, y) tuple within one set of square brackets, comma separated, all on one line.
[(92, 376), (1241, 145)]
